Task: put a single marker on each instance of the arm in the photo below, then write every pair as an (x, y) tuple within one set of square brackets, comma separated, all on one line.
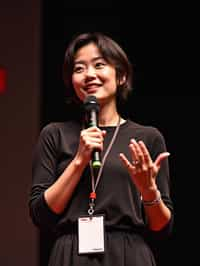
[(58, 195), (151, 179), (50, 195), (157, 213)]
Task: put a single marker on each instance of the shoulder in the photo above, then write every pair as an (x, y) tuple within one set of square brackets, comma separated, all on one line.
[(150, 135), (146, 131), (56, 127), (54, 132)]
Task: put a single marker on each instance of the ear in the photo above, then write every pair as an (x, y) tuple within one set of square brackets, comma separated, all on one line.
[(122, 80)]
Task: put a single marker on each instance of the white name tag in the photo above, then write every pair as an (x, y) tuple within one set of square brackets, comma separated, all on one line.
[(91, 234)]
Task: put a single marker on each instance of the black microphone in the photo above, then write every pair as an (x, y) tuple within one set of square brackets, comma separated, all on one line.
[(91, 107)]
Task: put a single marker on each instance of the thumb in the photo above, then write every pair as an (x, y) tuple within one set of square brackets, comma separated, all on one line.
[(160, 158), (104, 132)]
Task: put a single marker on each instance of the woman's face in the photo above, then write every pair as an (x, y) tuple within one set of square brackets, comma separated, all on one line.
[(92, 75)]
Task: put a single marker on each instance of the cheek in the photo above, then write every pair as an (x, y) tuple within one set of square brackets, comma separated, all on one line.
[(75, 80), (110, 77), (109, 74)]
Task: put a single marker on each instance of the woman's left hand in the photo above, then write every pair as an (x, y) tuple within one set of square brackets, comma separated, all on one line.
[(142, 169)]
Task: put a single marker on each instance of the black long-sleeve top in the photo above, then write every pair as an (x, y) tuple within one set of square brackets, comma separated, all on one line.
[(117, 196)]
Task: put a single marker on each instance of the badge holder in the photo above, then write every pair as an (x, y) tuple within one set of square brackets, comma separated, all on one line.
[(91, 231)]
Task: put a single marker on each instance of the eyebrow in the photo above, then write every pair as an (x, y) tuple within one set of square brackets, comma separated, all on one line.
[(93, 60)]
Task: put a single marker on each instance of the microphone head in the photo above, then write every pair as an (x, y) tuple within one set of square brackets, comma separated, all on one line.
[(91, 103), (91, 106)]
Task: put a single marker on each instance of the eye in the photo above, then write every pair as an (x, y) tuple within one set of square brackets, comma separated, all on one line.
[(78, 69), (100, 64)]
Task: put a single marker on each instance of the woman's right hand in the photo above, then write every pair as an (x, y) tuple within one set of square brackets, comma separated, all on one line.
[(59, 193), (90, 139)]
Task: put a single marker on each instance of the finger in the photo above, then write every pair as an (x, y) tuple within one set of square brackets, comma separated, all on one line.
[(138, 152), (93, 134), (91, 142), (125, 161), (147, 157), (133, 153), (160, 158), (94, 129), (133, 149), (93, 139), (103, 133)]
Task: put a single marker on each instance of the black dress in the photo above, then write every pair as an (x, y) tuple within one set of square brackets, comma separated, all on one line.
[(126, 231)]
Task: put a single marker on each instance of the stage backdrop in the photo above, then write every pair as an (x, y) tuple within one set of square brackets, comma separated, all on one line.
[(19, 125)]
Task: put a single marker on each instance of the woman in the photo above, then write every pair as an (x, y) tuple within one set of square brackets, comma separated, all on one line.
[(128, 201)]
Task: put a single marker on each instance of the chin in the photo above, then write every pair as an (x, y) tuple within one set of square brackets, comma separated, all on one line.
[(92, 92)]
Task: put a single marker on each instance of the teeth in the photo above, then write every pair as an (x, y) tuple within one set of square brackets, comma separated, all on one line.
[(92, 86)]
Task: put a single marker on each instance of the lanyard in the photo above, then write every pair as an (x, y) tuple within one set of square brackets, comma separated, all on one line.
[(94, 184)]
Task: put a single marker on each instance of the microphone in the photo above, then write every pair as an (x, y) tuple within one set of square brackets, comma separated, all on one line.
[(91, 107)]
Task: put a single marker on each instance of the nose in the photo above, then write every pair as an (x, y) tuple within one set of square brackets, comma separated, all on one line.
[(90, 72)]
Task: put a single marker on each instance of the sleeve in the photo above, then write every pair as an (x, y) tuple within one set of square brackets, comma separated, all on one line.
[(158, 145), (43, 176)]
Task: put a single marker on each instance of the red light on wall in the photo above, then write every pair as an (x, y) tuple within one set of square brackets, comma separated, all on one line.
[(3, 76)]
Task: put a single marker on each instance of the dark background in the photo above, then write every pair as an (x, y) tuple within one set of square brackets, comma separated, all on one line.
[(162, 45), (19, 126)]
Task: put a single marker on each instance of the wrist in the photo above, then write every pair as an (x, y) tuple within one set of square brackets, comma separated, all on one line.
[(149, 193), (151, 198), (79, 162)]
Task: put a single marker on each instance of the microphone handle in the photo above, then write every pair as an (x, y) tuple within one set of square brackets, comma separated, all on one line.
[(96, 160)]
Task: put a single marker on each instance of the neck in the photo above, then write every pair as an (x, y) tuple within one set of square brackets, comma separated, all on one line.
[(108, 116)]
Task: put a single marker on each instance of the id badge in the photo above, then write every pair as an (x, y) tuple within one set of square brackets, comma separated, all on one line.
[(91, 234)]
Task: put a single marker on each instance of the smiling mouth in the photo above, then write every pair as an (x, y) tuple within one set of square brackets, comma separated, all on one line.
[(91, 91), (92, 88)]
